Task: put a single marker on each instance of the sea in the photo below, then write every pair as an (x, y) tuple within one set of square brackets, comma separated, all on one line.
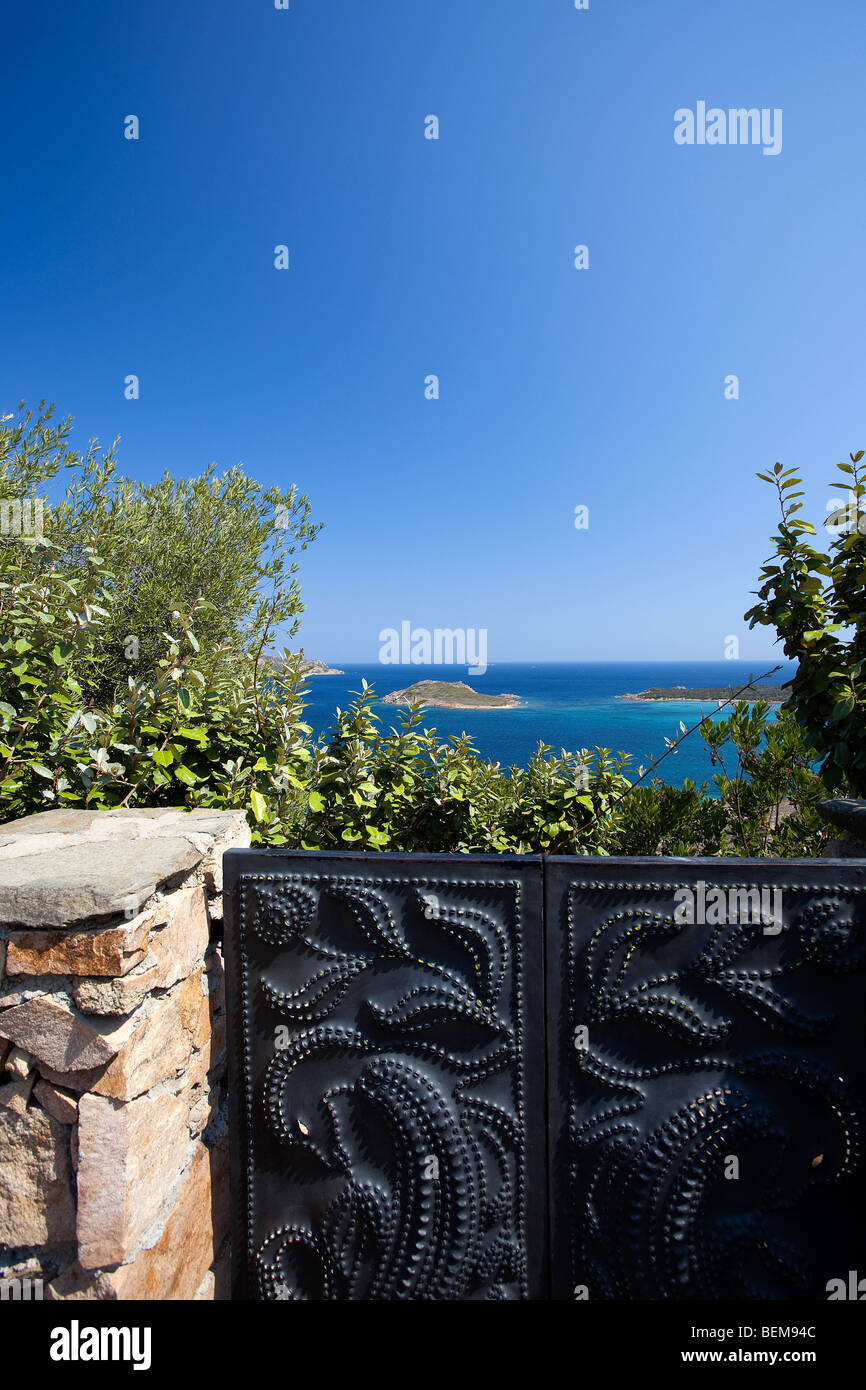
[(568, 705)]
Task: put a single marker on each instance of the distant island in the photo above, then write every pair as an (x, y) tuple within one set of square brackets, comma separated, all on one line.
[(319, 668), (449, 695), (773, 694)]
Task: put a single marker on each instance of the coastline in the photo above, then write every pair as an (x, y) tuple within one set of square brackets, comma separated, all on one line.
[(513, 703), (705, 695), (695, 699)]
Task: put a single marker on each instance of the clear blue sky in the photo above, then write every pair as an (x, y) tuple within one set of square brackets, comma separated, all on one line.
[(559, 387)]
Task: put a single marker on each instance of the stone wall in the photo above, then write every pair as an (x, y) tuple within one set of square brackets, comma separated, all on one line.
[(113, 1117)]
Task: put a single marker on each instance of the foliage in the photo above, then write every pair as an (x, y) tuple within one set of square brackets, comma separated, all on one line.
[(659, 819), (182, 737), (767, 784), (187, 719), (404, 790), (211, 719), (816, 601), (164, 545)]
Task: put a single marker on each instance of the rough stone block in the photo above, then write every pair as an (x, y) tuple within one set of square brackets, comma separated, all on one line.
[(64, 866), (194, 1231), (96, 878), (59, 1036), (171, 1028), (19, 1063), (78, 1081), (210, 1061), (180, 945), (76, 1284), (62, 1104), (118, 996), (235, 835), (110, 951), (177, 943), (178, 1264), (129, 1157), (15, 1094), (36, 1201)]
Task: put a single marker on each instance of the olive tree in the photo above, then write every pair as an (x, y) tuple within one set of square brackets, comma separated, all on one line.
[(165, 544)]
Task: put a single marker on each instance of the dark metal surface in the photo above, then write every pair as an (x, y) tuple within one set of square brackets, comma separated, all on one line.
[(679, 1116), (704, 1043), (389, 1143)]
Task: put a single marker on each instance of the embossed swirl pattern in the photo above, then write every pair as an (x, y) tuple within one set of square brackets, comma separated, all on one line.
[(649, 1139), (411, 1156)]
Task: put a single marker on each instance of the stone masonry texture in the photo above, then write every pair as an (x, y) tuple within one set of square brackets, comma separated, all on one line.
[(113, 1134)]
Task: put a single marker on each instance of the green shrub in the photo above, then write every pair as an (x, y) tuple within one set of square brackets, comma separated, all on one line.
[(181, 738), (767, 783), (816, 601), (185, 720), (659, 819), (404, 790)]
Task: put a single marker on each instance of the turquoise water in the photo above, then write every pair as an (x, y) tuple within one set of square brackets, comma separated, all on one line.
[(569, 705)]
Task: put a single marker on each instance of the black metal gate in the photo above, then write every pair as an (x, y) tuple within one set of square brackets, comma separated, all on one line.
[(498, 1077)]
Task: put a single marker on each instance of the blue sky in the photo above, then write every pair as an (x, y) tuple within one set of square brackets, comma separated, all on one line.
[(559, 387)]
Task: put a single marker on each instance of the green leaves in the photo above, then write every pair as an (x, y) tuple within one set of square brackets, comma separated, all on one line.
[(842, 706), (817, 604)]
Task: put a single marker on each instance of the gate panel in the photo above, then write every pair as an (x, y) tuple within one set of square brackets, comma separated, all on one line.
[(387, 1060), (706, 1122)]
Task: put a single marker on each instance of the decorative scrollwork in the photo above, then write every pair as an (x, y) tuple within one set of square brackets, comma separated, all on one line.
[(684, 1190), (395, 1102), (400, 1081)]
